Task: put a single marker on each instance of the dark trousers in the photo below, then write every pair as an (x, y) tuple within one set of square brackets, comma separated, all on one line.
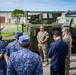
[(60, 71)]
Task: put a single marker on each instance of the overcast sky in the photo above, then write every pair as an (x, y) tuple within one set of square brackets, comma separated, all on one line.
[(38, 5)]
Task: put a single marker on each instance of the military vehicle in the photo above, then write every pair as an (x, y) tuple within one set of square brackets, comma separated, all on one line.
[(49, 21)]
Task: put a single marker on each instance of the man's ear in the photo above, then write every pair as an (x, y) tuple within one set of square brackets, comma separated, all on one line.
[(19, 45), (29, 45)]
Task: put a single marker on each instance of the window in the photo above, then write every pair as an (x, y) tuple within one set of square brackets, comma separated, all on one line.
[(44, 15), (50, 16), (67, 20)]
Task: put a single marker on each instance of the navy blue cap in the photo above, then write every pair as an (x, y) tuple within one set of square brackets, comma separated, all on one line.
[(18, 34), (64, 26), (24, 40)]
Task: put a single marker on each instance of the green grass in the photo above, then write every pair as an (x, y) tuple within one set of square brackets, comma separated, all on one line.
[(10, 32), (73, 25)]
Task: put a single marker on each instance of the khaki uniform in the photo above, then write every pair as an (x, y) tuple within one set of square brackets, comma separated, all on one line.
[(68, 39), (43, 46)]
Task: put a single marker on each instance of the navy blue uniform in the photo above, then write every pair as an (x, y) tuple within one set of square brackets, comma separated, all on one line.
[(24, 62), (12, 47), (2, 60), (57, 52)]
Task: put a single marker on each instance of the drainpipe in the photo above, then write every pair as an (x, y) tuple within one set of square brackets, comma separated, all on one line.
[(71, 21)]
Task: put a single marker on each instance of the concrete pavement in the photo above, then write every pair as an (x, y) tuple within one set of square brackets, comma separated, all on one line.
[(46, 69)]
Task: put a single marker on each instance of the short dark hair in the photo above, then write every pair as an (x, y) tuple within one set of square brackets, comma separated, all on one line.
[(57, 33)]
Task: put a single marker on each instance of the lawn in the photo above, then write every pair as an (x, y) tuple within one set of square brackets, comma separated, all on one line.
[(73, 25), (10, 32), (13, 30)]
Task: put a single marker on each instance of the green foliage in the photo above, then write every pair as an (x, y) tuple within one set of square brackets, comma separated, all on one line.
[(10, 32), (17, 13), (70, 12)]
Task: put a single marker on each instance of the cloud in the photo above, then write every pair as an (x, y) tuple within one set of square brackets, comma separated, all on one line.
[(8, 3), (8, 0), (37, 4)]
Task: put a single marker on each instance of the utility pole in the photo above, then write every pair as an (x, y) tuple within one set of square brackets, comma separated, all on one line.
[(17, 25), (17, 21), (26, 20), (0, 25)]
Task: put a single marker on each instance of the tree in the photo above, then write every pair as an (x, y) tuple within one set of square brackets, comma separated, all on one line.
[(68, 12), (17, 14)]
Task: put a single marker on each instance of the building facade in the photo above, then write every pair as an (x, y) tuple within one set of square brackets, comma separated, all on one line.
[(67, 18), (5, 17)]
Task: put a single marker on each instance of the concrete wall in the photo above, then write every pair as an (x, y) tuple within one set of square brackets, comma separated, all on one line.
[(69, 18), (9, 19), (65, 19), (62, 19)]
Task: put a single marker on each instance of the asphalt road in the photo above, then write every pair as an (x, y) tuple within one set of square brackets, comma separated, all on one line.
[(8, 27)]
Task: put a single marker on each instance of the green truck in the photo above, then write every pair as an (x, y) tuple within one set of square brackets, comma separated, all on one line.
[(49, 21)]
